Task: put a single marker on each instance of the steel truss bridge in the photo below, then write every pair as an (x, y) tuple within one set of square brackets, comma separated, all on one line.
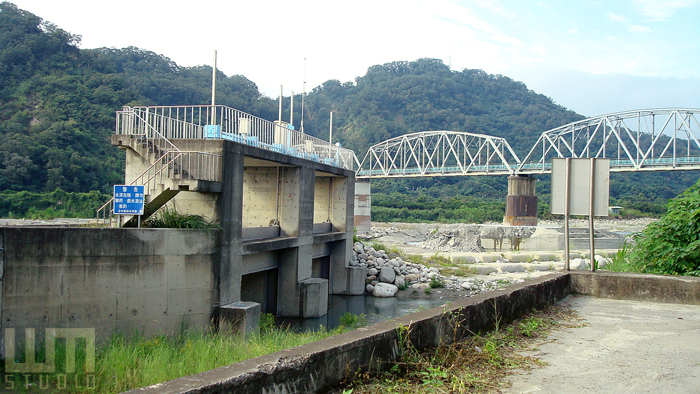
[(641, 140)]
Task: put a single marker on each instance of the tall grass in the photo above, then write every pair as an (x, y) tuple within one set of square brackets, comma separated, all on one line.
[(622, 261), (128, 362)]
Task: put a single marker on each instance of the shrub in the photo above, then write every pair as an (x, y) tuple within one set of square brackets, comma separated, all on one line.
[(672, 245)]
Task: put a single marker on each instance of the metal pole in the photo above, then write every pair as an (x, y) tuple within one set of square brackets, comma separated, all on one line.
[(567, 188), (213, 91), (303, 94), (591, 230), (330, 135), (279, 117), (291, 109)]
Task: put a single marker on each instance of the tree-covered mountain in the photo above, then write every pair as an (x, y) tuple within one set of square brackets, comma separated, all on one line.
[(403, 97), (58, 102)]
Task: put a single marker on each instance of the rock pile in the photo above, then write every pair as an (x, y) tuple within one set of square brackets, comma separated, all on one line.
[(388, 272)]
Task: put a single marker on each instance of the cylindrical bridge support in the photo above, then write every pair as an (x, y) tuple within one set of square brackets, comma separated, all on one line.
[(521, 203)]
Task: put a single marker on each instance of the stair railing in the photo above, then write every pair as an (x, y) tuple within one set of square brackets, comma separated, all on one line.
[(174, 165)]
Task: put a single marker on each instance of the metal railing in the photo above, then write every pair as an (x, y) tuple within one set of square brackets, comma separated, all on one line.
[(221, 122)]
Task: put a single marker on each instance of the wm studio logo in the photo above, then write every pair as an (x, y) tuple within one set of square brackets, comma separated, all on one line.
[(31, 366)]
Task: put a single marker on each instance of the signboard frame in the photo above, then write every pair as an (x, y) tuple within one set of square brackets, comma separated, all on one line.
[(591, 178), (129, 200)]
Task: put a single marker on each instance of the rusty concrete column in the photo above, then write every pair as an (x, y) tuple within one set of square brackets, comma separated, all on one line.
[(521, 202)]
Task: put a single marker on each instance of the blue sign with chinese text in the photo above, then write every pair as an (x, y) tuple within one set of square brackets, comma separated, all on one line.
[(128, 200)]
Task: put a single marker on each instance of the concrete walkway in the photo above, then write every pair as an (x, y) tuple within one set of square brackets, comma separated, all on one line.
[(626, 347)]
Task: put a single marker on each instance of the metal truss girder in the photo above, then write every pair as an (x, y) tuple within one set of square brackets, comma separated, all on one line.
[(652, 146)]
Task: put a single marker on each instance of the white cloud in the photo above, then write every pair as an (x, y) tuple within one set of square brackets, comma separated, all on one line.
[(639, 29), (540, 50), (506, 40), (660, 10), (460, 15), (495, 7), (617, 18)]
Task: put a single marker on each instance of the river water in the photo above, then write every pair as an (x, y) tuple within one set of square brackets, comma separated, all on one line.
[(375, 310)]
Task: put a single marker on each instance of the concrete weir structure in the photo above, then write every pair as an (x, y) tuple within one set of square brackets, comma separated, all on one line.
[(282, 245), (287, 226)]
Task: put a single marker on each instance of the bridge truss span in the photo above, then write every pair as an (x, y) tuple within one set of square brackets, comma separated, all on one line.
[(640, 140), (439, 153)]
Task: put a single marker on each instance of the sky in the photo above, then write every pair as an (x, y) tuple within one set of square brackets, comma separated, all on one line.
[(593, 57)]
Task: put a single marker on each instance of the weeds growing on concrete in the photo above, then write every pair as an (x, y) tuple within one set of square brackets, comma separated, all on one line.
[(476, 364), (171, 218)]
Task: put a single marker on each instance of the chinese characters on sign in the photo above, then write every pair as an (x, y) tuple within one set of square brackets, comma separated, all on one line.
[(128, 200)]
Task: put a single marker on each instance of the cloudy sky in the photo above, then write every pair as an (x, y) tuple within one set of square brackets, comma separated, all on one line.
[(593, 57)]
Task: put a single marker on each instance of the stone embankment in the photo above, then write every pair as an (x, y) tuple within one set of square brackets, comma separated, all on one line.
[(388, 273)]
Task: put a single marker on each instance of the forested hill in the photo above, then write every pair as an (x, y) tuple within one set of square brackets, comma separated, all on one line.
[(58, 103), (403, 97)]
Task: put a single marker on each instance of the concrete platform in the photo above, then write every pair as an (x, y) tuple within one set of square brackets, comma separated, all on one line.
[(626, 347)]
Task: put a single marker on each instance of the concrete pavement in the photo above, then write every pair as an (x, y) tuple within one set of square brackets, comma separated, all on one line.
[(626, 347)]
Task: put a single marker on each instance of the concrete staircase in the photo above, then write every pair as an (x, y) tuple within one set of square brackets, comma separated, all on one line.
[(579, 239), (171, 172)]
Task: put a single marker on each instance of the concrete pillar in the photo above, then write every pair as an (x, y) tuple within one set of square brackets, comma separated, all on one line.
[(239, 317), (296, 264), (314, 297), (521, 202), (231, 208), (363, 206)]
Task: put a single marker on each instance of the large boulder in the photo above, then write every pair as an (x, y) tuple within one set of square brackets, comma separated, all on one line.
[(387, 275), (384, 290)]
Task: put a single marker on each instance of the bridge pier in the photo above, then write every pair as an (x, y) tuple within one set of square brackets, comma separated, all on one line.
[(363, 206), (521, 202)]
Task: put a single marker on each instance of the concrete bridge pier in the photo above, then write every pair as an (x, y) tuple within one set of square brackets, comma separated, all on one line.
[(521, 202), (363, 206)]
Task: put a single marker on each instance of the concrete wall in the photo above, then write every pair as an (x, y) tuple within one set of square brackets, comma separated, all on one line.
[(637, 287), (260, 196), (109, 279)]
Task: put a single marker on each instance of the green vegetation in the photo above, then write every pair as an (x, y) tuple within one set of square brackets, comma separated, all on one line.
[(130, 361), (670, 245), (170, 218), (55, 204), (476, 364), (436, 283)]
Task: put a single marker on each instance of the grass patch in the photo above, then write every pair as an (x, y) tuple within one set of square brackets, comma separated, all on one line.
[(170, 218), (620, 261), (476, 364), (129, 361)]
